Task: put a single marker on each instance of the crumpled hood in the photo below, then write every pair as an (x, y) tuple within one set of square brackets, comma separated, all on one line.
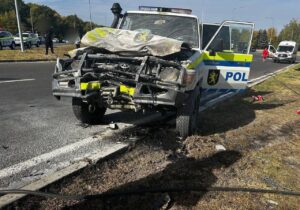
[(143, 42)]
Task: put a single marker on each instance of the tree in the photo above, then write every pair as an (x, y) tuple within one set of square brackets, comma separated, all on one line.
[(290, 31), (272, 36), (262, 39)]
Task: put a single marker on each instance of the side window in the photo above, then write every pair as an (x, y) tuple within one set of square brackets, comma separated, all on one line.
[(2, 35), (232, 37)]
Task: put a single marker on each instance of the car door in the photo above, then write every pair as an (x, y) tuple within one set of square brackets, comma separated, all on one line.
[(226, 59), (272, 51), (2, 38)]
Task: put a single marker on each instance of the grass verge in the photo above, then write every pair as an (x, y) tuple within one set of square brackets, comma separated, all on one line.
[(35, 53), (262, 141)]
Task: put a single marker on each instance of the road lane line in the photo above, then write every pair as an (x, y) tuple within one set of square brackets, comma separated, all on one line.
[(17, 80), (17, 168)]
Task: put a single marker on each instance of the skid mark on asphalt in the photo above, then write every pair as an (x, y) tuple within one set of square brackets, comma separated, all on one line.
[(17, 80)]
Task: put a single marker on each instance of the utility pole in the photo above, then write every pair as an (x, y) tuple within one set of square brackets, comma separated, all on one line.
[(31, 22), (273, 28), (19, 26), (90, 14)]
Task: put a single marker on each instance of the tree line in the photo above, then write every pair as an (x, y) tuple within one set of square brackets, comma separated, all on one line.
[(42, 18), (262, 38)]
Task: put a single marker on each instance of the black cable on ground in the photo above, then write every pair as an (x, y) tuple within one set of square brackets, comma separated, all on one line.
[(141, 192)]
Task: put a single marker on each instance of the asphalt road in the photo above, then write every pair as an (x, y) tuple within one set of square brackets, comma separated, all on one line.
[(33, 122)]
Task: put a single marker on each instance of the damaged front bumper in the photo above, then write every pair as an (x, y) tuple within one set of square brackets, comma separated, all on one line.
[(108, 79)]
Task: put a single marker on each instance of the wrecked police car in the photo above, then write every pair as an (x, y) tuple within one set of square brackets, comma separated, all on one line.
[(153, 60)]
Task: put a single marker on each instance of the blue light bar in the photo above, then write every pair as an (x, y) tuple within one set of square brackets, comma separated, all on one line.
[(165, 9)]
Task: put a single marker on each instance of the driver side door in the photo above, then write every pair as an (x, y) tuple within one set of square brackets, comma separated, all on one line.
[(227, 59)]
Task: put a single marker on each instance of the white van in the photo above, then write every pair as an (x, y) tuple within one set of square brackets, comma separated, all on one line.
[(286, 51)]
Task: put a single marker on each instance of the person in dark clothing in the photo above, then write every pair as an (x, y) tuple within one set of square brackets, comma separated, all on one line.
[(48, 41)]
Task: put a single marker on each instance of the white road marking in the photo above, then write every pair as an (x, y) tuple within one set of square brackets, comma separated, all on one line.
[(17, 80), (17, 168)]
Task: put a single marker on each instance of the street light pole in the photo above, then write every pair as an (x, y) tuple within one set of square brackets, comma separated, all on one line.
[(19, 26), (272, 19), (31, 22), (90, 14)]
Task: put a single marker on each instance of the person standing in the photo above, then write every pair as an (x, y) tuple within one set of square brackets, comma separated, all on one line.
[(48, 40), (265, 54)]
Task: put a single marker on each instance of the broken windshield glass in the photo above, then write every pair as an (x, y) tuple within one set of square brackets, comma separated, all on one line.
[(184, 29)]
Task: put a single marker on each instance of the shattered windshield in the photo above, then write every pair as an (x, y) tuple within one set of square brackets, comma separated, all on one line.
[(285, 49), (180, 28)]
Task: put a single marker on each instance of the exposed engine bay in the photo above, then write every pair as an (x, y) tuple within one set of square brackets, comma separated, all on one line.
[(126, 79)]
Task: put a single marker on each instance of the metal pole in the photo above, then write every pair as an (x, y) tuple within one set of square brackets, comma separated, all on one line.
[(19, 26), (31, 21), (90, 14)]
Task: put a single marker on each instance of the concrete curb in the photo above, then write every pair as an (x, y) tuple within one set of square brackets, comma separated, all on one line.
[(116, 149), (251, 83), (49, 179)]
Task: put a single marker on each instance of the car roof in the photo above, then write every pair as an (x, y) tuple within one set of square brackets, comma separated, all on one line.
[(162, 13)]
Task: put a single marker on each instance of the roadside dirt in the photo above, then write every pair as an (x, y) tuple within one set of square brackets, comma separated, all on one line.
[(262, 141)]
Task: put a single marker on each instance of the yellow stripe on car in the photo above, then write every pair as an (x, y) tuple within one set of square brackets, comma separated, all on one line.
[(90, 86), (221, 57), (127, 90)]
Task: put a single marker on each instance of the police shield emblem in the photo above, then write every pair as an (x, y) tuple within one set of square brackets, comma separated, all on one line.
[(213, 77)]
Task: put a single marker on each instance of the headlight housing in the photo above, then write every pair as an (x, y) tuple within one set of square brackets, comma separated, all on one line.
[(189, 77), (169, 74)]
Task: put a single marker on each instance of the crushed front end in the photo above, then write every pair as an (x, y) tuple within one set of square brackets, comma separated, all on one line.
[(123, 81)]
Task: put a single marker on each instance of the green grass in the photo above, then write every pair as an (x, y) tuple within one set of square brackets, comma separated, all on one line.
[(34, 53)]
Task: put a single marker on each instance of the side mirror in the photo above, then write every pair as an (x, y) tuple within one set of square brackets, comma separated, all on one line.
[(212, 52)]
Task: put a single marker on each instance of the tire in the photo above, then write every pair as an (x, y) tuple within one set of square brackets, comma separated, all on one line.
[(37, 44), (187, 115), (1, 48), (12, 46), (83, 114), (28, 45)]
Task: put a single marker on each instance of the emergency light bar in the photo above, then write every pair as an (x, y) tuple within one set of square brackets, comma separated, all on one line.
[(165, 9)]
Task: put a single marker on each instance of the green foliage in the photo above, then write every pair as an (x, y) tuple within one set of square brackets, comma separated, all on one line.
[(290, 31), (43, 18)]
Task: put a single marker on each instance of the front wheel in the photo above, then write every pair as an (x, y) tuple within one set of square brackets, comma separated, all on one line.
[(37, 44), (187, 115), (28, 45), (87, 113), (12, 46)]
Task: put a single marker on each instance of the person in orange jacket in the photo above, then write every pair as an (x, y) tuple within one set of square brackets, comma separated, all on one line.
[(265, 54)]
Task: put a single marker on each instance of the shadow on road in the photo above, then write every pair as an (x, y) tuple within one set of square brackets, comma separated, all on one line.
[(181, 173)]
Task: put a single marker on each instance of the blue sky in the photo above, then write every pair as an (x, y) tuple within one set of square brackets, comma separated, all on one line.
[(264, 13)]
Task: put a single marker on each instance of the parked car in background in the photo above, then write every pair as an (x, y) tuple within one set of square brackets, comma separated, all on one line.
[(55, 40), (7, 40), (41, 40), (29, 39)]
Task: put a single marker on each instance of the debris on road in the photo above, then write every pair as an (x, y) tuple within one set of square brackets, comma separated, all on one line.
[(220, 147), (113, 126), (258, 98), (5, 147), (259, 139), (273, 202)]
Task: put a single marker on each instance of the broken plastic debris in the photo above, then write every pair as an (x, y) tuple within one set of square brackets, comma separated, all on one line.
[(258, 98), (273, 202), (220, 147), (113, 126)]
